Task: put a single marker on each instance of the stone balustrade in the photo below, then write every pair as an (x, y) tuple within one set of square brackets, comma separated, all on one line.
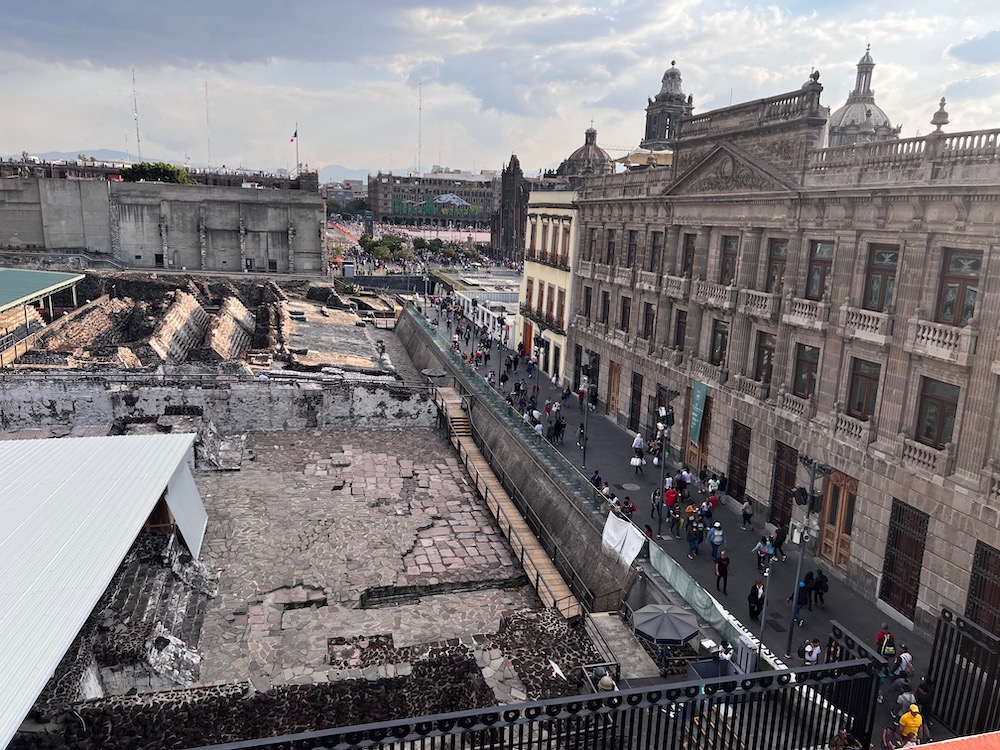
[(920, 457), (806, 313), (586, 268), (699, 369), (603, 272), (796, 406), (955, 344), (623, 276), (719, 296), (866, 325), (677, 287), (648, 281), (853, 430), (755, 389), (762, 305)]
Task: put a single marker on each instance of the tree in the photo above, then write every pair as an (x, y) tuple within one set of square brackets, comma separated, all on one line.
[(366, 242), (381, 252), (419, 243), (156, 172), (450, 252), (406, 254)]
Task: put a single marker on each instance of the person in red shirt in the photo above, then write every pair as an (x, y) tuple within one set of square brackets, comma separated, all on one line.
[(670, 498)]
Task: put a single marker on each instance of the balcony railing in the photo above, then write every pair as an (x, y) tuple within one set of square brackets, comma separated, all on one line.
[(586, 267), (796, 406), (699, 369), (715, 295), (677, 287), (623, 276), (648, 281), (853, 430), (555, 260), (956, 344), (920, 457), (806, 313), (763, 305), (755, 389), (603, 272), (866, 325)]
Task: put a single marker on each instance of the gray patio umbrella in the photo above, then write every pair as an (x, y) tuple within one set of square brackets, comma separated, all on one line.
[(433, 372), (665, 624)]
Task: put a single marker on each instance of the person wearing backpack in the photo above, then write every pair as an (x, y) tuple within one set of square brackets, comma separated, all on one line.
[(903, 701), (821, 587)]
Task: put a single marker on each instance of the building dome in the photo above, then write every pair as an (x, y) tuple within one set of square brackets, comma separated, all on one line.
[(589, 159), (850, 123)]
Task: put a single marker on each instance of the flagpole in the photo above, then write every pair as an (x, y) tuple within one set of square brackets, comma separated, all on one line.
[(297, 162)]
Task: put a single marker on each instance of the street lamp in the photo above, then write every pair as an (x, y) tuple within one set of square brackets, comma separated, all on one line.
[(587, 385), (816, 469), (503, 324), (538, 362), (666, 414)]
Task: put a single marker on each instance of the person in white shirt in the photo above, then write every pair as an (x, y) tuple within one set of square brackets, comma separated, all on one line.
[(812, 653)]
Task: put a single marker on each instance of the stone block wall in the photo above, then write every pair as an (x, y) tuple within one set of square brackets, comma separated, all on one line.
[(182, 329), (232, 329)]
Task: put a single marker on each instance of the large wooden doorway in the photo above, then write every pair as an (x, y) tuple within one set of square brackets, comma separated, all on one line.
[(635, 403), (786, 464), (614, 386), (838, 519), (739, 460)]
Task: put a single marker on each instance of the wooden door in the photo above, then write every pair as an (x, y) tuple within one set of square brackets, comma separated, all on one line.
[(837, 519), (614, 386), (786, 464), (739, 459)]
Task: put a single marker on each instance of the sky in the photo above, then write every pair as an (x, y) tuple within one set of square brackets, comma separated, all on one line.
[(397, 84)]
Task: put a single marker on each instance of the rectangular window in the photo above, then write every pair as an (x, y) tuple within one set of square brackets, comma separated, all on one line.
[(592, 245), (959, 287), (545, 239), (551, 302), (820, 270), (904, 557), (720, 342), (588, 299), (625, 313), (633, 247), (688, 260), (983, 604), (609, 253), (529, 292), (656, 252), (680, 329), (863, 389), (764, 357), (564, 257), (806, 366), (936, 412), (880, 279), (777, 257), (730, 250), (561, 309), (541, 297), (605, 307), (648, 319)]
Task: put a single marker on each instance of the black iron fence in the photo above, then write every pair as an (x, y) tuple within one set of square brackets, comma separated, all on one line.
[(965, 667), (764, 711)]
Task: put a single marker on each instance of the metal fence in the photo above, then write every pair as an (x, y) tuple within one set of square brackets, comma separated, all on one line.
[(765, 711)]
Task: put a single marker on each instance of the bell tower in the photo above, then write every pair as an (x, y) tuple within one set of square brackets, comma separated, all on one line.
[(664, 113)]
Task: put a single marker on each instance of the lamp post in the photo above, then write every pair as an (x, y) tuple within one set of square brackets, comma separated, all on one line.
[(666, 414), (816, 469), (502, 322), (538, 364), (763, 617), (586, 406)]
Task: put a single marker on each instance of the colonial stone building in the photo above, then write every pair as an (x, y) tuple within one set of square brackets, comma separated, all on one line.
[(861, 119), (547, 283), (836, 303), (442, 198)]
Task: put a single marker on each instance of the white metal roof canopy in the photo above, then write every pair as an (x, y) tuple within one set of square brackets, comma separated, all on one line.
[(70, 509)]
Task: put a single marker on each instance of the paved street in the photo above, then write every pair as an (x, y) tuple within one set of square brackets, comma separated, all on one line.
[(609, 449)]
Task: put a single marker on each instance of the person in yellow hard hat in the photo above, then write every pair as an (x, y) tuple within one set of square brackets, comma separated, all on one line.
[(911, 721)]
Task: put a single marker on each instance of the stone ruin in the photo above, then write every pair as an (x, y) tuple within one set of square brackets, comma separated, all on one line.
[(143, 322)]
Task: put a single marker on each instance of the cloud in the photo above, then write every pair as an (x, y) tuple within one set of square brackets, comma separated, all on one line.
[(980, 50)]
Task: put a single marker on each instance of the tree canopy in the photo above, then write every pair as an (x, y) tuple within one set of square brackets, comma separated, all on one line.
[(156, 172)]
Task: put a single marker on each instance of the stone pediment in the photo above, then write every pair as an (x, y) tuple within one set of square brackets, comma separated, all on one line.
[(729, 169)]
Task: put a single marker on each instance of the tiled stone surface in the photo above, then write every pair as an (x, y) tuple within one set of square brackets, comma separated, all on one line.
[(327, 515)]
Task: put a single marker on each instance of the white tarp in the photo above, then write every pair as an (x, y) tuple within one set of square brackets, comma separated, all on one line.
[(187, 508), (621, 539)]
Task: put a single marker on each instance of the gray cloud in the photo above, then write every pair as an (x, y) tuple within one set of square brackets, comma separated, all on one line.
[(980, 50)]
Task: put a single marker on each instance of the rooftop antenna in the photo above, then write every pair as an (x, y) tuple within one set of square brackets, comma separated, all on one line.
[(208, 127), (420, 122), (135, 111)]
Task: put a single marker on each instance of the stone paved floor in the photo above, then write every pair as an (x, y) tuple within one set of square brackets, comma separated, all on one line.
[(319, 517)]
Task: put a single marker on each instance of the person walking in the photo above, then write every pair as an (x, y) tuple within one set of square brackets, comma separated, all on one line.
[(756, 599), (717, 538), (911, 722), (801, 600), (694, 540), (722, 573), (675, 522), (820, 588), (747, 510), (813, 651), (763, 552), (779, 540), (810, 582), (581, 436)]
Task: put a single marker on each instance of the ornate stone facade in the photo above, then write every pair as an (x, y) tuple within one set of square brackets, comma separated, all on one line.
[(838, 302)]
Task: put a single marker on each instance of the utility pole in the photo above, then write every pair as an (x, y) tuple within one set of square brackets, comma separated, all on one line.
[(663, 428), (816, 469), (586, 405)]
